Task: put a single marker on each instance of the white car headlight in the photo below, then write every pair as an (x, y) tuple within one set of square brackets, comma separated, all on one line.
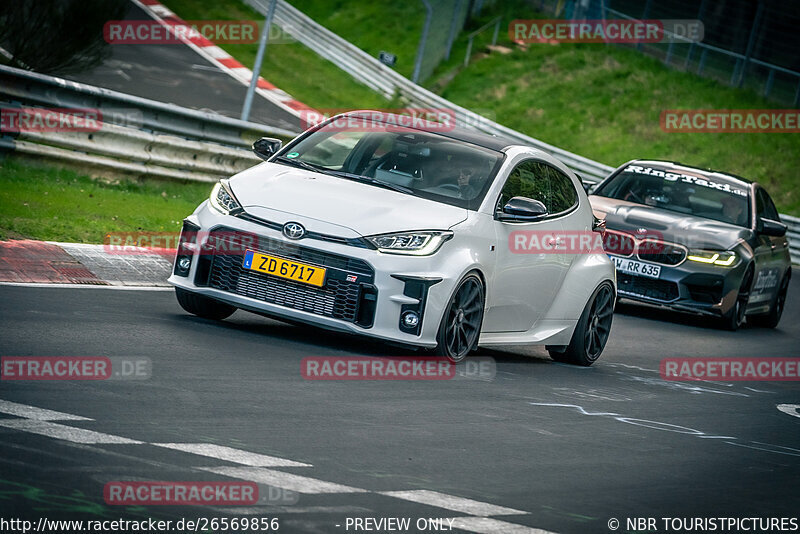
[(222, 198), (724, 258), (422, 243)]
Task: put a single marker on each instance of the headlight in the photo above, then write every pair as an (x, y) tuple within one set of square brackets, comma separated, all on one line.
[(222, 198), (411, 243), (712, 257)]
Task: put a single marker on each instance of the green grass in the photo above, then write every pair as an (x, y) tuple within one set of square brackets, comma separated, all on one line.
[(48, 203), (291, 66)]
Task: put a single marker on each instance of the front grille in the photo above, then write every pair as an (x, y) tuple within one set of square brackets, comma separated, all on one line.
[(338, 299), (660, 252), (618, 243), (351, 301), (641, 286)]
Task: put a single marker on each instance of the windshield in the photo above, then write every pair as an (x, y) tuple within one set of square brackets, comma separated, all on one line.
[(413, 162), (698, 195)]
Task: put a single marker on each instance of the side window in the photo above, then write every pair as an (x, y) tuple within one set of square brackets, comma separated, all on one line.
[(765, 207), (562, 193), (539, 181)]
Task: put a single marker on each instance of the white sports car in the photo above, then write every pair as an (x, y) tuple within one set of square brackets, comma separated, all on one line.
[(404, 234)]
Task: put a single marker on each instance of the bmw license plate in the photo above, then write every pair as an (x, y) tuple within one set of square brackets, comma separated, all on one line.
[(639, 268), (283, 268)]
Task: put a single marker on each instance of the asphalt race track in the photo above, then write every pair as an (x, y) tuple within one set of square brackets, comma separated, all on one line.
[(176, 74), (559, 448)]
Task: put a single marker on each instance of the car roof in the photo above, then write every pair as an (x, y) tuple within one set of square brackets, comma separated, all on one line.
[(711, 173), (458, 133)]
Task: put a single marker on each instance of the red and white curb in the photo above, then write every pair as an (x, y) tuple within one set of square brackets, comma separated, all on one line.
[(221, 59), (45, 263)]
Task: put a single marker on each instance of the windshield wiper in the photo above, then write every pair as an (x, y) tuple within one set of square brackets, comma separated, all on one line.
[(348, 175), (375, 181), (302, 164)]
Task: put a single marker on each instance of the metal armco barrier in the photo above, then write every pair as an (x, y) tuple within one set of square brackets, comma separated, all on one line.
[(137, 135), (381, 78)]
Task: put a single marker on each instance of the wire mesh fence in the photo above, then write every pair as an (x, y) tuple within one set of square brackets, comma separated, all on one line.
[(746, 43)]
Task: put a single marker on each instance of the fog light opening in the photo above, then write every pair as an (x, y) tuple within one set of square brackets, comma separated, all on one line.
[(410, 319)]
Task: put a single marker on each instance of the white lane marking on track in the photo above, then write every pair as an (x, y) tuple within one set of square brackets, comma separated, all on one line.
[(37, 414), (791, 409), (766, 447), (232, 455), (88, 286), (451, 502), (66, 433), (485, 525), (279, 479)]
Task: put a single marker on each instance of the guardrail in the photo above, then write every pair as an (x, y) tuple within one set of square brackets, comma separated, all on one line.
[(136, 135), (381, 78)]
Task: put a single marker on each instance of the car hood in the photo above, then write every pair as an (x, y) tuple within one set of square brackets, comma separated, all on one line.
[(337, 206), (681, 228)]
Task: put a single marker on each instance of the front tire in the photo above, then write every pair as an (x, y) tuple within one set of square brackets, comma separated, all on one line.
[(773, 317), (736, 315), (461, 324), (203, 306), (592, 331)]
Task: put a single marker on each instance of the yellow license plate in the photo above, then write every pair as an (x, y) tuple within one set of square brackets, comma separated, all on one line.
[(291, 270)]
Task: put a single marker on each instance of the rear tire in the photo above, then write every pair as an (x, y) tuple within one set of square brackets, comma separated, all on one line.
[(773, 317), (461, 323), (203, 306), (592, 331)]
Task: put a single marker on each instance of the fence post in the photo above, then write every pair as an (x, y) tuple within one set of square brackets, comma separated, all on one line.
[(262, 46), (453, 23), (422, 39), (750, 43), (496, 31), (645, 14), (691, 46)]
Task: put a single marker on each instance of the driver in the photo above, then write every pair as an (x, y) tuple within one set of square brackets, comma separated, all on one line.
[(465, 185), (732, 210)]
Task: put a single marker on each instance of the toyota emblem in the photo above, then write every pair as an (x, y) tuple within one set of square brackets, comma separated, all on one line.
[(294, 230)]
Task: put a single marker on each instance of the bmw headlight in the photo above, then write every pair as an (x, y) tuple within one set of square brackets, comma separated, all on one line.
[(724, 258), (422, 243), (222, 198)]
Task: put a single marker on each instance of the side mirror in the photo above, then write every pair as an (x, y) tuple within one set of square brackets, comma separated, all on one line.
[(521, 209), (266, 147), (770, 228)]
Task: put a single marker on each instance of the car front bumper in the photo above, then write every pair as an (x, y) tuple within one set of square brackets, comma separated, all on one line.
[(366, 292), (690, 287)]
